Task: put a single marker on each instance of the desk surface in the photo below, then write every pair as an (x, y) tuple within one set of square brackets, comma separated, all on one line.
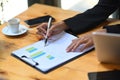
[(13, 69)]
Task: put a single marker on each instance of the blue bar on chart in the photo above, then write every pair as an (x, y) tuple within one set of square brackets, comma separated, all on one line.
[(31, 49), (37, 54), (50, 57)]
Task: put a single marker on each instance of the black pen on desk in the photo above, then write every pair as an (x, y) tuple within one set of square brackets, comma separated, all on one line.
[(48, 27)]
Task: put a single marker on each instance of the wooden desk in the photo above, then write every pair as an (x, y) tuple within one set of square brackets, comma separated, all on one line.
[(13, 69)]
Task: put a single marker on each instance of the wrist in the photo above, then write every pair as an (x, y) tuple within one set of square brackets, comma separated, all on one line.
[(63, 25)]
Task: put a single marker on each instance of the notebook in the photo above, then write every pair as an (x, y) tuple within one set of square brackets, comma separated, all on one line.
[(50, 57), (107, 46)]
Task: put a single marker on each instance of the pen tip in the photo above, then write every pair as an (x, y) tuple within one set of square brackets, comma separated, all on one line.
[(45, 45)]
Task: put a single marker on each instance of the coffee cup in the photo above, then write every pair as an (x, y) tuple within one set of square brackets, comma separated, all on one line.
[(13, 25)]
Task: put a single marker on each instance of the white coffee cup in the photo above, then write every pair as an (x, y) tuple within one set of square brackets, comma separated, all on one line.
[(13, 25)]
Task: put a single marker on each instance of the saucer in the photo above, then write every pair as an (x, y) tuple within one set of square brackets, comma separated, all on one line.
[(22, 29)]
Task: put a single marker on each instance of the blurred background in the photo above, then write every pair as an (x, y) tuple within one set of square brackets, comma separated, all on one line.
[(15, 7)]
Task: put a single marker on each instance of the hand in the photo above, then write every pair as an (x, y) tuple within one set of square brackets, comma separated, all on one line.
[(86, 40), (55, 29)]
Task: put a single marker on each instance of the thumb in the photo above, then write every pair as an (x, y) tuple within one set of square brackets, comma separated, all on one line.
[(51, 31)]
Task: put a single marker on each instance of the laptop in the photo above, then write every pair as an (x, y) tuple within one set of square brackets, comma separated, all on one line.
[(107, 47)]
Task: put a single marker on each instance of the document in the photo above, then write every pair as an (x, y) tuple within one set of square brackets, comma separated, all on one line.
[(50, 57)]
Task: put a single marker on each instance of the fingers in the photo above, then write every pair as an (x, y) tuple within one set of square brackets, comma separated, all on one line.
[(52, 31), (55, 29), (42, 29), (40, 33), (72, 46), (75, 44), (86, 40), (87, 45)]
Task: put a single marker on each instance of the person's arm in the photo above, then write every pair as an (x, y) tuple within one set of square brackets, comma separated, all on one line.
[(92, 17)]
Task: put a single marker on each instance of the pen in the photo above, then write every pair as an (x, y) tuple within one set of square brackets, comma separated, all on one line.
[(48, 27)]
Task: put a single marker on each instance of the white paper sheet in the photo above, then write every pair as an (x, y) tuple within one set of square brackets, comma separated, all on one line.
[(50, 56)]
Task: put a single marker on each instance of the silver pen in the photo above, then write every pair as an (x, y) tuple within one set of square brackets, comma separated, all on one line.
[(48, 27)]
